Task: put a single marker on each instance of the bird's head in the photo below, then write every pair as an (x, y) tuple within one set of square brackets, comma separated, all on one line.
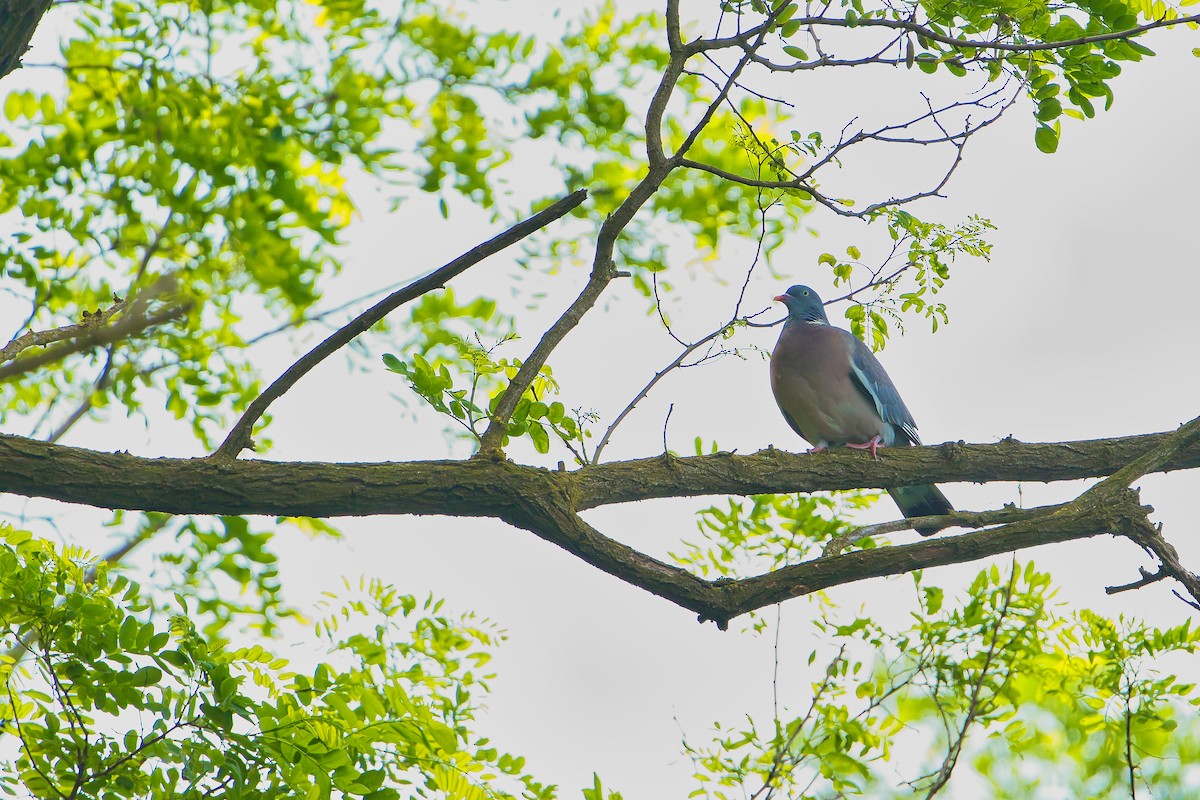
[(803, 305)]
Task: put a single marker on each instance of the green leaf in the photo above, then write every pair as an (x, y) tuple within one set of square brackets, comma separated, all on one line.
[(1046, 139), (12, 106), (127, 638), (541, 440), (147, 676), (1049, 109)]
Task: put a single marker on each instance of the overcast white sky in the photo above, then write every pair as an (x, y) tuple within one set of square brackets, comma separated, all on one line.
[(1082, 326)]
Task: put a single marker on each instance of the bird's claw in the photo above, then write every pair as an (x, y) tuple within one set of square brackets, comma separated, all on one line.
[(873, 445)]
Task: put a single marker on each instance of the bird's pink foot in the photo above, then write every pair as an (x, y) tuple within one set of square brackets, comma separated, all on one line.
[(873, 445), (822, 449)]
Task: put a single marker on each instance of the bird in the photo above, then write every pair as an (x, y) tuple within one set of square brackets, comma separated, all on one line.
[(835, 393)]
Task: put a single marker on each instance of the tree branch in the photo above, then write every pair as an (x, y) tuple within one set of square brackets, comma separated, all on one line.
[(1150, 538), (239, 437), (772, 471), (92, 320), (88, 335), (926, 32), (484, 488), (645, 390), (958, 519), (547, 502), (1146, 579), (603, 268), (1071, 522), (18, 21)]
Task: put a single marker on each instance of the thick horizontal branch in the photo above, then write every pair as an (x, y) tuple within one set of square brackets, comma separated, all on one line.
[(486, 487), (547, 502), (774, 471)]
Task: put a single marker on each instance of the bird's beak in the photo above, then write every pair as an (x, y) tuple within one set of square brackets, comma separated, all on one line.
[(782, 298)]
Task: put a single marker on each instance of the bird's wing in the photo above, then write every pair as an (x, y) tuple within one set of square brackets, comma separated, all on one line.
[(871, 379)]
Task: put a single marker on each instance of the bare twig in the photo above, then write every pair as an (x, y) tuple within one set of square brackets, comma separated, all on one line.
[(1146, 579), (92, 321), (88, 337), (641, 395), (666, 422), (995, 102), (239, 437), (85, 405), (603, 268), (689, 348), (1150, 538), (741, 39)]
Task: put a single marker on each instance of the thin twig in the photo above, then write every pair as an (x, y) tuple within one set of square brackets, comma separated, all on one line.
[(948, 764), (688, 349), (929, 33), (1129, 737), (603, 268), (667, 421), (641, 395)]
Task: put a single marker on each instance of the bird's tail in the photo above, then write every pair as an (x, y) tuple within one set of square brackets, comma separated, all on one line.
[(921, 501)]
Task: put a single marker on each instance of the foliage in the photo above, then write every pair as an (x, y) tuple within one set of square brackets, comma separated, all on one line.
[(456, 374), (112, 702), (1003, 680), (766, 531)]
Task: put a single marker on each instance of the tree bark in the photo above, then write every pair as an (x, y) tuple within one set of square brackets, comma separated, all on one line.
[(483, 487), (18, 20), (547, 502)]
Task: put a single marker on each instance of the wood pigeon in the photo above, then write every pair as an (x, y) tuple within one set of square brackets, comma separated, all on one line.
[(834, 392)]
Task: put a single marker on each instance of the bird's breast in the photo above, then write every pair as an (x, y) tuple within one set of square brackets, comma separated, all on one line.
[(812, 383)]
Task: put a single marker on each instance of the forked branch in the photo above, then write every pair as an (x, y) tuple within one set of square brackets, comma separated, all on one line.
[(603, 267)]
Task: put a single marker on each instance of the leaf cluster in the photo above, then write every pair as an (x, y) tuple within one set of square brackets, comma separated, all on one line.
[(116, 704)]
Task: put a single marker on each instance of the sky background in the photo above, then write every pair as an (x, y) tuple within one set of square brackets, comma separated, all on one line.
[(1081, 326)]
